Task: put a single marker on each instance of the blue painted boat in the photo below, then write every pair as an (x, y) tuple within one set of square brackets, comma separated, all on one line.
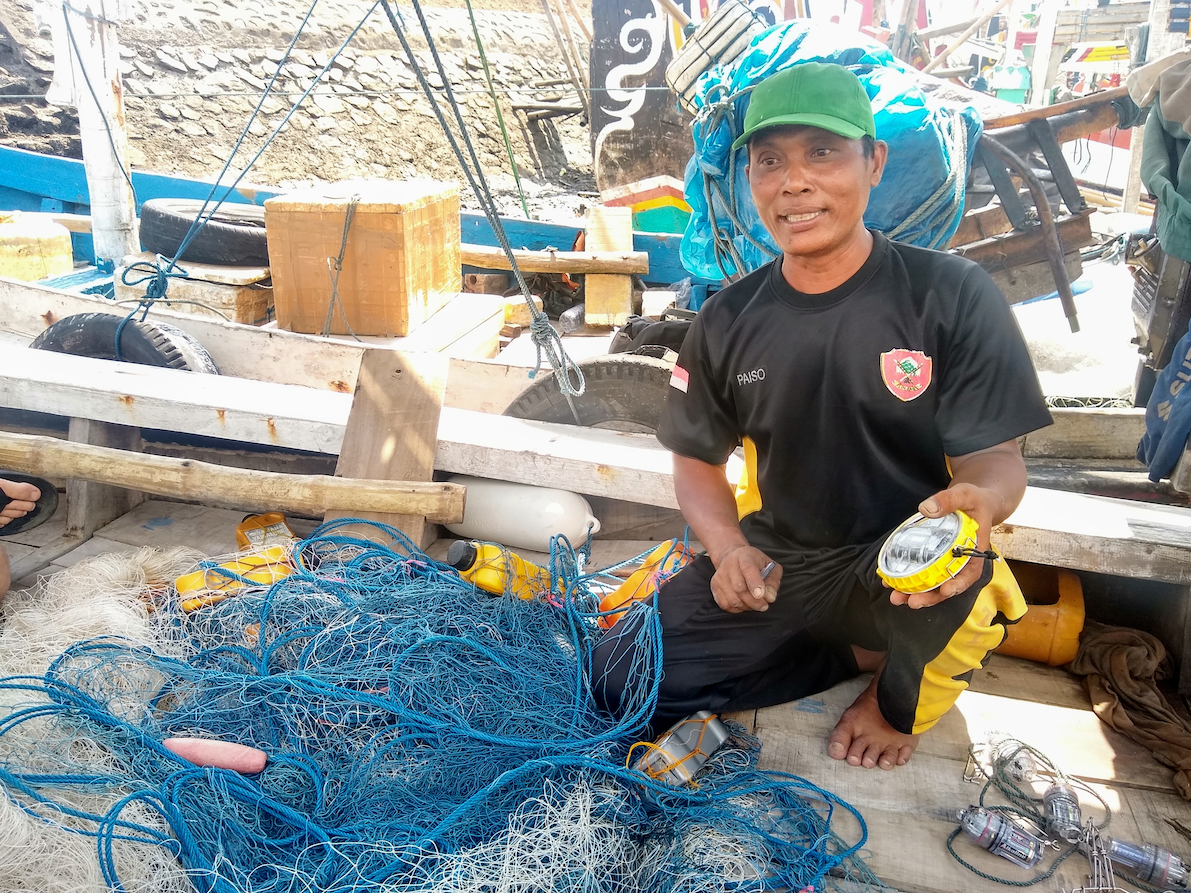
[(30, 181)]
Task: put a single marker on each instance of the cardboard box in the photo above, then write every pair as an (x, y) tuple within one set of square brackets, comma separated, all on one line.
[(400, 258)]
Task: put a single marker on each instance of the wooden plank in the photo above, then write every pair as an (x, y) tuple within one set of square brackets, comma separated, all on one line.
[(551, 261), (1097, 533), (392, 430), (454, 321), (90, 505), (1094, 99), (1019, 249), (1091, 750), (981, 224), (219, 274), (48, 542), (228, 487), (1015, 677), (587, 460), (608, 299), (603, 463), (1041, 67), (268, 355), (1087, 434), (166, 525), (1050, 527), (171, 400)]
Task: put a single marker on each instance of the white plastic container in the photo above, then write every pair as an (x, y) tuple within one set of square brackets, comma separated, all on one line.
[(33, 247), (522, 516)]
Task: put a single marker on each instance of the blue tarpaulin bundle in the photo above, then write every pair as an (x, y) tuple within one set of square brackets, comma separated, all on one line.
[(920, 198)]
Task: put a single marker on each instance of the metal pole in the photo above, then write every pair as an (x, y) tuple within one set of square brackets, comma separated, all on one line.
[(1046, 219), (566, 57)]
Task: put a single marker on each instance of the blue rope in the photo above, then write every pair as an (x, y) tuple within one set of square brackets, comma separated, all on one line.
[(547, 341)]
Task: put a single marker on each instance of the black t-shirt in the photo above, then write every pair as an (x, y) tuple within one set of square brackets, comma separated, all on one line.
[(855, 397)]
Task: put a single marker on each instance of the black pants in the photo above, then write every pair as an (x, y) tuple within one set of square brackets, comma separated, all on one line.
[(828, 600)]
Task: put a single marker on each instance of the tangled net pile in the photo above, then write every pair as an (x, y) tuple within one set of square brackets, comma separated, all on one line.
[(421, 735)]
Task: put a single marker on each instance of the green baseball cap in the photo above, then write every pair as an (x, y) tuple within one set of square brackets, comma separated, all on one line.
[(818, 94)]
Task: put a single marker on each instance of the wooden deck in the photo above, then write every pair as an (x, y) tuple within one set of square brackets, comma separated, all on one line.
[(909, 811)]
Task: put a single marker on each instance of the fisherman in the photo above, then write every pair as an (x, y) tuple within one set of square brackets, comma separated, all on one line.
[(22, 499), (865, 380)]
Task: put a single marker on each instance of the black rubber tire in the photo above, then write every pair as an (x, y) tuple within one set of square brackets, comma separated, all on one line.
[(145, 343), (234, 236), (624, 392)]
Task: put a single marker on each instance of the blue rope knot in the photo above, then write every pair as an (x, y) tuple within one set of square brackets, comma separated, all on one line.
[(158, 275)]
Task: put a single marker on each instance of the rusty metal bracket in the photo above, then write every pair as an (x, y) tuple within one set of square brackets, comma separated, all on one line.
[(1046, 221)]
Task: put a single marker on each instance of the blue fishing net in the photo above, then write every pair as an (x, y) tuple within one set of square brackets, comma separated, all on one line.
[(931, 145), (421, 735)]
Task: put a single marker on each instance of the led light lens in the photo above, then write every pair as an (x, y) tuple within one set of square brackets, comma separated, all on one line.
[(918, 556)]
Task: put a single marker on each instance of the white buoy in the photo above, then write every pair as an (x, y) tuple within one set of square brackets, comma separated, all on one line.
[(522, 516)]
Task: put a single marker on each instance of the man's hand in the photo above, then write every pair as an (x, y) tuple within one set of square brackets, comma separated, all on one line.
[(982, 504), (738, 584)]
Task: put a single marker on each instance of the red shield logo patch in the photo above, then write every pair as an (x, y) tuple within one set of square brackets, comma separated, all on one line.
[(905, 372)]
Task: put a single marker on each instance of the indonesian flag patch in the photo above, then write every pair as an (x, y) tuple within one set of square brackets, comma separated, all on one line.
[(905, 372), (679, 378)]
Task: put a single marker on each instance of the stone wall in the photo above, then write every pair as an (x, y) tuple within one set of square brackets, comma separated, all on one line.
[(194, 72)]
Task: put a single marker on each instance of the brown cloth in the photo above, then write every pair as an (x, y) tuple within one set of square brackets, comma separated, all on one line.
[(1121, 669)]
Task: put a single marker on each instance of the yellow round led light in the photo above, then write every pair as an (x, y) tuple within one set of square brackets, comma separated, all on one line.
[(920, 554)]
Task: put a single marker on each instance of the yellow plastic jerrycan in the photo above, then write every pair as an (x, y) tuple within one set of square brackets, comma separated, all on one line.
[(1049, 633), (664, 561), (497, 570), (33, 247), (213, 583)]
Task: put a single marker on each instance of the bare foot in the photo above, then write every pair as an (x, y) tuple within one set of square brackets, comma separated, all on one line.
[(864, 738), (24, 500)]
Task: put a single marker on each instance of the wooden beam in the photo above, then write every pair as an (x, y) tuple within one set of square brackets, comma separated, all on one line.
[(1100, 534), (1018, 249), (1104, 97), (981, 224), (393, 430), (1044, 51), (968, 32), (586, 460), (600, 463), (608, 299), (270, 355), (238, 488), (91, 505), (557, 261), (170, 400), (944, 30), (485, 256), (1087, 434)]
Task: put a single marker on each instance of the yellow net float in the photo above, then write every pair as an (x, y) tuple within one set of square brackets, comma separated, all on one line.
[(923, 553)]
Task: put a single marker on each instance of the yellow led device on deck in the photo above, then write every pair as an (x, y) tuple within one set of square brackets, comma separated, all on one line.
[(923, 553)]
